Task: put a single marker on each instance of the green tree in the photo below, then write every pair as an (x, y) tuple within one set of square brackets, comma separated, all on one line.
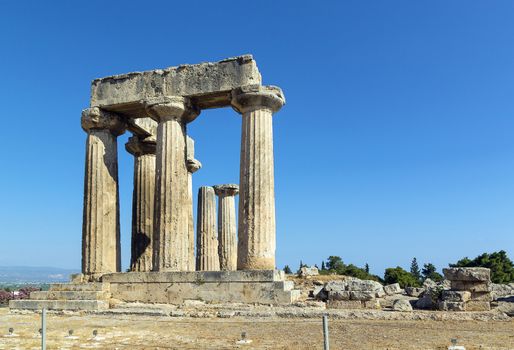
[(399, 275), (323, 266), (335, 264), (366, 268), (414, 269), (287, 270), (430, 271), (502, 268)]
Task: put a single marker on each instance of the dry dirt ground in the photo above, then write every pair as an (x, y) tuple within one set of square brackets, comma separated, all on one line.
[(152, 332)]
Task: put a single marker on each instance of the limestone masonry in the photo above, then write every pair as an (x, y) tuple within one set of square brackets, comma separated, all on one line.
[(156, 107)]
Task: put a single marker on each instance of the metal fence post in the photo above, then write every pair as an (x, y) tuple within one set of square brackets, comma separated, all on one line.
[(43, 329), (326, 345)]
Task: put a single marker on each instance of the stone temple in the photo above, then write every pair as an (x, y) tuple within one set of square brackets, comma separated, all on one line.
[(232, 264)]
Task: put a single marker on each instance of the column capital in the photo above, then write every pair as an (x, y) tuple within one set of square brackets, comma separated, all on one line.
[(138, 146), (96, 118), (226, 190), (193, 165), (171, 107), (251, 97)]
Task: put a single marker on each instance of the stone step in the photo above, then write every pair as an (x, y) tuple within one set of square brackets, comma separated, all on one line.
[(70, 295), (284, 285), (79, 287), (71, 305), (287, 297)]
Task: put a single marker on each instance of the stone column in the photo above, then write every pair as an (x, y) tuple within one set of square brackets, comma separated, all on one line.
[(227, 230), (206, 241), (256, 231), (170, 240), (101, 219), (193, 166), (143, 150)]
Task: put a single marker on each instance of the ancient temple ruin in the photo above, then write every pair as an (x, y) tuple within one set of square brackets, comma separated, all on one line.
[(156, 107)]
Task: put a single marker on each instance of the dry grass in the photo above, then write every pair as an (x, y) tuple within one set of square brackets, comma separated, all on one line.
[(143, 332)]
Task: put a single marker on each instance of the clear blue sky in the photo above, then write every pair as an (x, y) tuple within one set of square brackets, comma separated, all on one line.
[(397, 139)]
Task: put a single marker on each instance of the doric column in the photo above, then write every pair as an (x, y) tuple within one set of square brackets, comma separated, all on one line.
[(193, 166), (143, 150), (256, 231), (206, 241), (101, 219), (227, 230), (170, 240)]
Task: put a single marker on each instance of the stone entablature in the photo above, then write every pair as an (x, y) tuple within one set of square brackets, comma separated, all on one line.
[(209, 85)]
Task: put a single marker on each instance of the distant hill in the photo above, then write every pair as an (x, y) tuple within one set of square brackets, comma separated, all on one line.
[(31, 274)]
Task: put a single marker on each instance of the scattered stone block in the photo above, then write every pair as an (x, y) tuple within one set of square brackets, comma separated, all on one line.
[(402, 305), (470, 274), (309, 271), (414, 291), (392, 289), (357, 285), (425, 302), (455, 296), (429, 283)]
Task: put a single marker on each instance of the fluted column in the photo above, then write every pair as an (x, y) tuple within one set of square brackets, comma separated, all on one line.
[(227, 230), (206, 241), (143, 150), (193, 166), (101, 220), (256, 229), (170, 240)]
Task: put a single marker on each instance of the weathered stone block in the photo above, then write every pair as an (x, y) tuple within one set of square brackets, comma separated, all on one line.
[(392, 289), (425, 302), (474, 305), (482, 296), (208, 84), (455, 296), (362, 295), (339, 295), (309, 271), (372, 304), (471, 286), (356, 284), (344, 304), (471, 274), (451, 306), (414, 291), (402, 305)]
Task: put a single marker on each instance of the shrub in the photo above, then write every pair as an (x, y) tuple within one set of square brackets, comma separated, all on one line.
[(399, 275)]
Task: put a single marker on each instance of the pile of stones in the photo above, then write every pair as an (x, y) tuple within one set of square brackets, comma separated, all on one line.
[(352, 293), (470, 290)]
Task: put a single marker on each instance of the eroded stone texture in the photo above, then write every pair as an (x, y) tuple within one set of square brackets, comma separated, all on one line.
[(171, 238), (256, 231), (227, 230), (206, 241), (193, 166), (209, 84), (101, 226), (143, 197)]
